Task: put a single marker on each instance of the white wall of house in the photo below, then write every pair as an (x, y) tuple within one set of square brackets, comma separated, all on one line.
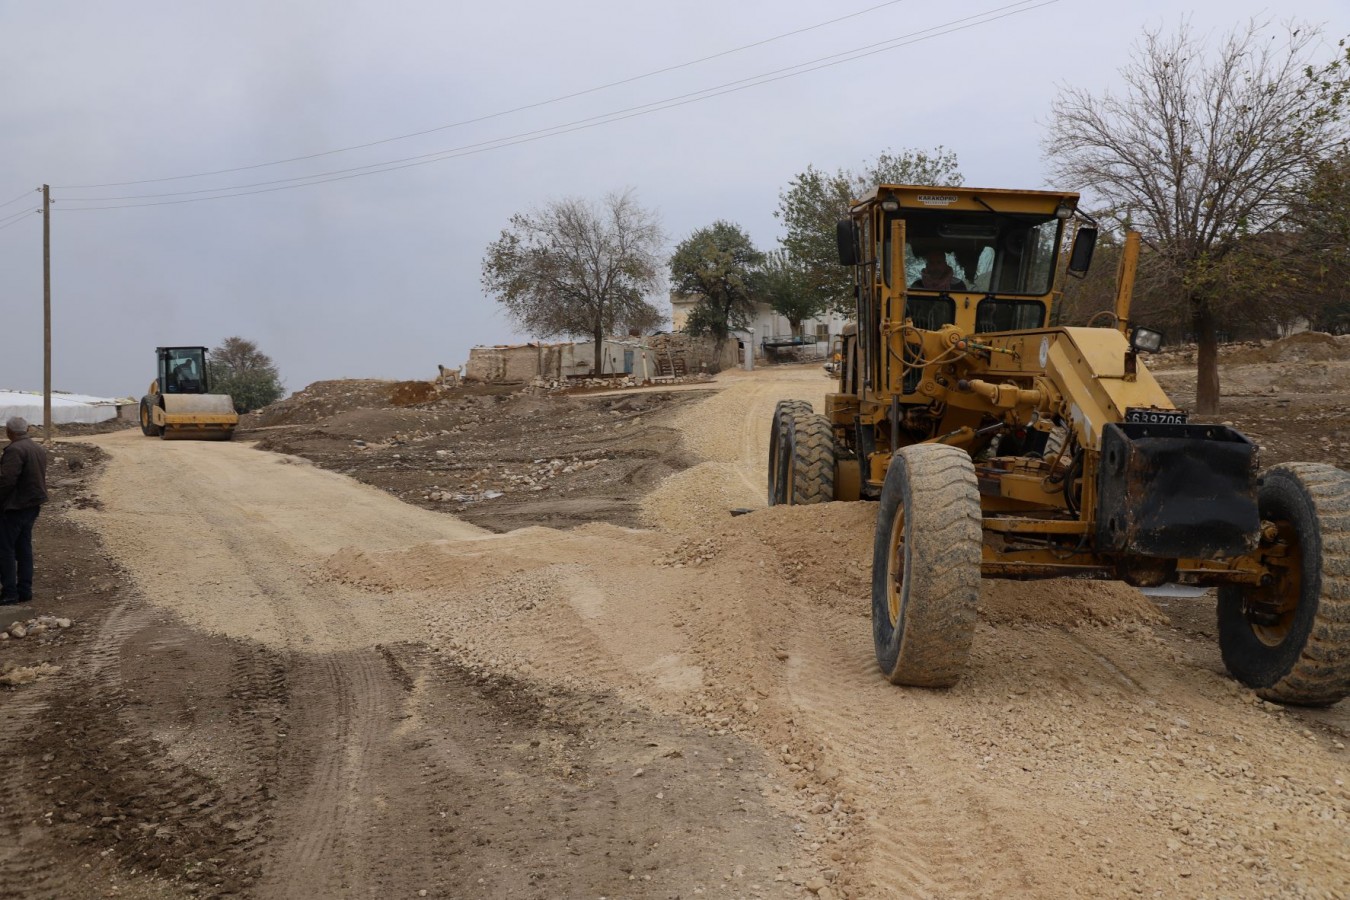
[(765, 322), (626, 357)]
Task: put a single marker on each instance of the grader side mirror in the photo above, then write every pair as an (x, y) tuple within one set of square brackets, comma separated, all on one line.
[(1080, 258), (846, 234)]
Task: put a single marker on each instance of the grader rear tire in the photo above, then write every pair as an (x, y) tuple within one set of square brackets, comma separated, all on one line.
[(1290, 640), (926, 566), (811, 460), (784, 416)]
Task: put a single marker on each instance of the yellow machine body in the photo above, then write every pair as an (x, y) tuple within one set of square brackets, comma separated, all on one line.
[(177, 406), (972, 362), (192, 416)]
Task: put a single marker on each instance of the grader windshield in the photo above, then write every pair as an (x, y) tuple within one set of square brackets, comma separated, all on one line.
[(962, 261), (988, 253)]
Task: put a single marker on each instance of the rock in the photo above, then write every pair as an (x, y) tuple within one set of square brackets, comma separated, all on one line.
[(63, 623), (17, 630), (815, 885)]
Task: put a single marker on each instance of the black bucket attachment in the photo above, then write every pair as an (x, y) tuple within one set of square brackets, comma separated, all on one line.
[(1176, 492)]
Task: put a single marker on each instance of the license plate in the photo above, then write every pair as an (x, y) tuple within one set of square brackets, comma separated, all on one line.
[(1140, 416)]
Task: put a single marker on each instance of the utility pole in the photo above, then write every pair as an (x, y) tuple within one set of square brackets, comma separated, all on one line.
[(47, 313)]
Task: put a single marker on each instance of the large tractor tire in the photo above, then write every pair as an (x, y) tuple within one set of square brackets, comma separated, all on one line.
[(784, 416), (1290, 640), (810, 459), (926, 566)]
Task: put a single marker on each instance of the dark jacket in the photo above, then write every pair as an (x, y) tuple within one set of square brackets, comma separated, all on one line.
[(23, 475)]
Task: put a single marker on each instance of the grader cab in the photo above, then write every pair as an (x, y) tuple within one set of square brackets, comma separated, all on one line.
[(997, 445)]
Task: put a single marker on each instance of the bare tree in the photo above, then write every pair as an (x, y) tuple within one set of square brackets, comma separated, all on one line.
[(577, 268), (1202, 152)]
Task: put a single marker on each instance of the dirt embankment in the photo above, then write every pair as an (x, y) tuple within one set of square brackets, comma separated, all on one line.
[(494, 455), (1292, 396)]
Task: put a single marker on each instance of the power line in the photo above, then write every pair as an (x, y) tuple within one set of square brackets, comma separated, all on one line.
[(16, 218), (569, 127), (496, 115), (18, 198)]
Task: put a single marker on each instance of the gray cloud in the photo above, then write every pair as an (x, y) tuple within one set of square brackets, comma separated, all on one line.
[(378, 276)]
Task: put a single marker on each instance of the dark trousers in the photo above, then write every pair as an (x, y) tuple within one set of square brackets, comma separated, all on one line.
[(16, 553)]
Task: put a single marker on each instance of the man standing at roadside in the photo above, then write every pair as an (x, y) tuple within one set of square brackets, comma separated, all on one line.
[(23, 490)]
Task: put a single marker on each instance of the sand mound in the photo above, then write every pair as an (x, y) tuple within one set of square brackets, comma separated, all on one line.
[(319, 401), (469, 566), (826, 551), (1065, 601)]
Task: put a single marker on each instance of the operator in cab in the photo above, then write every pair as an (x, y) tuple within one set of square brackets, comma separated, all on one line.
[(937, 275)]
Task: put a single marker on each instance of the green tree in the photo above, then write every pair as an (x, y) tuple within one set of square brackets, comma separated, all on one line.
[(581, 269), (814, 201), (717, 264), (238, 368), (1204, 151), (785, 284)]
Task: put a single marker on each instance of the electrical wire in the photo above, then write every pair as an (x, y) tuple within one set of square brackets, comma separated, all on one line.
[(18, 198), (16, 219), (498, 115), (566, 128), (18, 214), (590, 121)]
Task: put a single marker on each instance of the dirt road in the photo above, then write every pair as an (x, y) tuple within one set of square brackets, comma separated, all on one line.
[(308, 688)]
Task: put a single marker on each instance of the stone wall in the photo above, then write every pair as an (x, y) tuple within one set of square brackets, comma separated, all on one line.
[(699, 354)]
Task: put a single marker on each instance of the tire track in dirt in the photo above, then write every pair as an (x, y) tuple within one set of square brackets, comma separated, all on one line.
[(328, 851), (909, 841), (115, 787)]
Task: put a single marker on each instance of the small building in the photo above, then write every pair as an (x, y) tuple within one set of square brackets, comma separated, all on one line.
[(526, 362), (770, 330)]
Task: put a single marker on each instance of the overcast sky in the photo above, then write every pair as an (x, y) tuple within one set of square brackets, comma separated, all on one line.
[(378, 276)]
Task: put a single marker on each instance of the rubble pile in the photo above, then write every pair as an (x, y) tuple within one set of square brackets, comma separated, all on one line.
[(565, 385), (1305, 346), (34, 627), (13, 675), (536, 478)]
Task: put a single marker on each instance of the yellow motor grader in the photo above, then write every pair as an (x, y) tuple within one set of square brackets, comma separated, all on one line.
[(999, 446), (179, 404)]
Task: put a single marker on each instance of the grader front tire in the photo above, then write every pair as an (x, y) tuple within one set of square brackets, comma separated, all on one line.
[(811, 457), (1290, 640), (780, 432), (926, 566)]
